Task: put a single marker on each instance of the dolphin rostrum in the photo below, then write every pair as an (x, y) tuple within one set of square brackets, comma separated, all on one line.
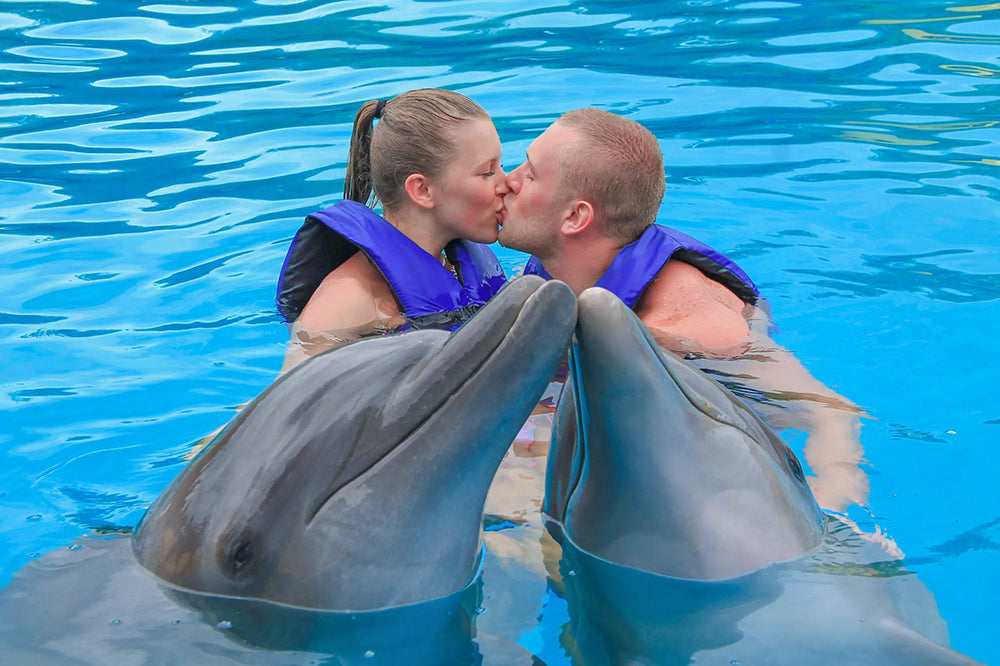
[(339, 513), (689, 533)]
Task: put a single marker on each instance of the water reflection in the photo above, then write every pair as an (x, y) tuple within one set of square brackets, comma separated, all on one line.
[(908, 273)]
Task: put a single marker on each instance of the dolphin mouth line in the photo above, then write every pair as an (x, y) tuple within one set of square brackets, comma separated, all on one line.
[(472, 373), (700, 405), (402, 438)]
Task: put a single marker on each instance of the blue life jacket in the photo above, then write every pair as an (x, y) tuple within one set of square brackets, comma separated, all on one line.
[(636, 264), (430, 296)]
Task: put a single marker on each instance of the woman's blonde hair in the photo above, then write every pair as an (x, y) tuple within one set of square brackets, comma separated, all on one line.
[(414, 134)]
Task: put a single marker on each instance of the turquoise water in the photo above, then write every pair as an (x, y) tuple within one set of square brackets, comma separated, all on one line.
[(155, 160)]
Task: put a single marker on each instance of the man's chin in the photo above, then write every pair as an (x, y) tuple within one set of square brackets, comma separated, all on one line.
[(504, 237)]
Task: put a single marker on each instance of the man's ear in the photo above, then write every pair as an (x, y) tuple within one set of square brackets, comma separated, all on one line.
[(419, 189), (579, 218)]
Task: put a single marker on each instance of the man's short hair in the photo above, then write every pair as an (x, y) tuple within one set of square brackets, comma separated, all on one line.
[(617, 167)]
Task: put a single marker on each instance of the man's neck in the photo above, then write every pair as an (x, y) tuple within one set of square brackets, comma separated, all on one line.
[(581, 264)]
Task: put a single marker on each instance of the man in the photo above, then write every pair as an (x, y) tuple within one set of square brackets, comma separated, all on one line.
[(584, 204), (589, 190)]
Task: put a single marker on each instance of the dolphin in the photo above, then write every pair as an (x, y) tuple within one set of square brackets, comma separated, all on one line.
[(342, 503), (689, 534)]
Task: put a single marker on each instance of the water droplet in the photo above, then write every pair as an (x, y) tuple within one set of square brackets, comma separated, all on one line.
[(369, 654), (35, 516), (116, 621), (225, 624), (76, 546)]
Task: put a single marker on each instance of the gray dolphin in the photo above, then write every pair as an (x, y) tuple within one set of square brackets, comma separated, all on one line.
[(357, 480), (689, 533), (343, 506)]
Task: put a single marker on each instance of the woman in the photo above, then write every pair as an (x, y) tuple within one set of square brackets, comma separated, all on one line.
[(433, 160)]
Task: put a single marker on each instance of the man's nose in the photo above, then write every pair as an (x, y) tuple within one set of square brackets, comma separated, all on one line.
[(514, 180)]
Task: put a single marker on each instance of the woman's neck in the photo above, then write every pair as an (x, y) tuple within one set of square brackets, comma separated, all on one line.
[(420, 229)]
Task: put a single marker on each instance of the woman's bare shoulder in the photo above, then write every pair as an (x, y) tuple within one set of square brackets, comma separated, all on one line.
[(351, 295)]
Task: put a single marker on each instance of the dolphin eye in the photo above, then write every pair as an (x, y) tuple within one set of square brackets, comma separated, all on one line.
[(237, 556), (794, 465), (242, 556)]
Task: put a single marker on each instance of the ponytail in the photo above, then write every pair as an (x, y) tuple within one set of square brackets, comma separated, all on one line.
[(358, 182)]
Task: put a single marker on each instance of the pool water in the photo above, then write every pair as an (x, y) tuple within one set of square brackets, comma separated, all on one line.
[(155, 160)]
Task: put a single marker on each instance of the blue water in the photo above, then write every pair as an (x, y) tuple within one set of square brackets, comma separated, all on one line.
[(155, 160)]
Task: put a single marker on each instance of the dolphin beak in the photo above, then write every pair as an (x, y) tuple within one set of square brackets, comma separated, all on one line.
[(512, 323)]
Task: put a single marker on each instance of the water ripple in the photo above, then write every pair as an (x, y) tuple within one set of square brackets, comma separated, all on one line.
[(156, 159), (154, 31)]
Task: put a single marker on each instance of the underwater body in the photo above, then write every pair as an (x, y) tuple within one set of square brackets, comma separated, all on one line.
[(158, 159)]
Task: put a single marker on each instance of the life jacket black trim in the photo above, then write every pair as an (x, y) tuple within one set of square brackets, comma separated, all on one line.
[(430, 295)]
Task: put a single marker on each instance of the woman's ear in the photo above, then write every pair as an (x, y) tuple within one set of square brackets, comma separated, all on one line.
[(418, 188), (579, 218)]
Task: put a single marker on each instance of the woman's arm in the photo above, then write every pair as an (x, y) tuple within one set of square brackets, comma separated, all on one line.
[(352, 301)]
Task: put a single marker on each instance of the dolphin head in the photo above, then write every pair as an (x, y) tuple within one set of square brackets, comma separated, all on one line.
[(658, 467), (357, 480)]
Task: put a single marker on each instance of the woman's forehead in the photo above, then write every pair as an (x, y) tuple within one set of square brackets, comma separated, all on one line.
[(477, 142)]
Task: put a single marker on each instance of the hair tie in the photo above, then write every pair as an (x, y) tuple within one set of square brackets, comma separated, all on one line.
[(379, 107)]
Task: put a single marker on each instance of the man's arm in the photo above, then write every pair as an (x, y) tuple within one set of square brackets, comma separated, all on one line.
[(688, 312), (786, 395)]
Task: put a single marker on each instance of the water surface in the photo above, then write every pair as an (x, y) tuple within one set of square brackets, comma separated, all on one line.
[(155, 160)]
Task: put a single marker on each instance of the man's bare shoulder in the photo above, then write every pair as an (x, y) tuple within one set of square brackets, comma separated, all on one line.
[(684, 304)]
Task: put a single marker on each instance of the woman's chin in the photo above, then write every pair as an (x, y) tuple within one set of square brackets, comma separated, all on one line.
[(488, 236)]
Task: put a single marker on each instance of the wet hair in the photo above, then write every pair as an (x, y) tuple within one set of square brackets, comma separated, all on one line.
[(414, 134), (618, 167)]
